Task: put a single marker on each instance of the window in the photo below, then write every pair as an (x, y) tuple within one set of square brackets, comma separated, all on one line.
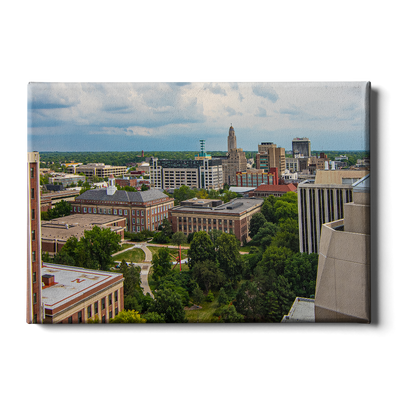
[(79, 317), (84, 209), (70, 320), (74, 209), (116, 296), (103, 319), (79, 209), (109, 299), (103, 303), (33, 213), (116, 311), (125, 212), (142, 221), (89, 312), (94, 210), (120, 212), (32, 173), (34, 277), (33, 256), (34, 298), (110, 315), (33, 235), (96, 307), (109, 211), (137, 212), (115, 212), (35, 319), (90, 210), (32, 193), (152, 211)]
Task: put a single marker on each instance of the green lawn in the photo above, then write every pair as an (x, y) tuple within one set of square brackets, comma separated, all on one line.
[(126, 246), (134, 255), (205, 314), (155, 249)]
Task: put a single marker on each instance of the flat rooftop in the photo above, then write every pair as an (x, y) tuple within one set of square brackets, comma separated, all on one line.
[(63, 228), (71, 283), (302, 310), (236, 206)]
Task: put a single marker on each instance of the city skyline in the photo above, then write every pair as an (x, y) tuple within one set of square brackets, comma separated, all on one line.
[(174, 116)]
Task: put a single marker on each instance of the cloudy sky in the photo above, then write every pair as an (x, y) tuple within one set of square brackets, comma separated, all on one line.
[(174, 116)]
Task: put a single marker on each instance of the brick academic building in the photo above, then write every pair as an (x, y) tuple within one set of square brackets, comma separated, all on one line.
[(142, 210), (205, 215)]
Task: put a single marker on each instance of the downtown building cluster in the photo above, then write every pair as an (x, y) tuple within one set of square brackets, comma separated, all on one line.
[(333, 209)]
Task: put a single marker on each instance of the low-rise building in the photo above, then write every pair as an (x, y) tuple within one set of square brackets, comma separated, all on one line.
[(302, 310), (142, 210), (73, 295), (256, 177), (56, 232), (274, 190), (65, 179), (232, 217), (97, 169)]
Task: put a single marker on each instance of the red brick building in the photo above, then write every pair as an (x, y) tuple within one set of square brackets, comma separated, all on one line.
[(73, 295), (233, 217), (34, 284), (274, 190)]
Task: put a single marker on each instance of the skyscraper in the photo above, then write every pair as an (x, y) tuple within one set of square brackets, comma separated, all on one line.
[(231, 139), (269, 156)]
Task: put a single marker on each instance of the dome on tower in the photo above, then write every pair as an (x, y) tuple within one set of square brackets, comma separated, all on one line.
[(231, 130)]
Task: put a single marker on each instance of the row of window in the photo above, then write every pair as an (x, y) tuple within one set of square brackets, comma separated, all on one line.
[(93, 210), (205, 220), (204, 228), (96, 308)]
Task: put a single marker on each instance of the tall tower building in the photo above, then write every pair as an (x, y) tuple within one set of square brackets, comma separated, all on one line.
[(301, 146), (34, 279), (269, 156), (231, 139)]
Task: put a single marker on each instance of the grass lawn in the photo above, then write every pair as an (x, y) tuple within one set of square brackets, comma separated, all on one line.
[(134, 255), (126, 246), (205, 314), (155, 249), (245, 248)]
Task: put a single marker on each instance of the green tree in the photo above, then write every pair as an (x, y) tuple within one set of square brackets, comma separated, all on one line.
[(128, 317), (265, 235), (198, 295), (228, 257), (249, 301), (184, 193), (98, 245), (169, 304), (274, 258), (201, 249), (166, 228), (287, 235), (228, 314), (153, 318), (161, 264), (215, 234), (178, 238), (144, 187), (271, 308), (61, 209), (268, 209), (256, 223), (222, 297), (207, 275)]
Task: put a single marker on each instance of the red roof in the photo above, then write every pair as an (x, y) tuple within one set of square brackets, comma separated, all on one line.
[(276, 188)]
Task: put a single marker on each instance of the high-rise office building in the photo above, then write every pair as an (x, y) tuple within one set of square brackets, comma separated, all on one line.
[(34, 281), (301, 147), (269, 156)]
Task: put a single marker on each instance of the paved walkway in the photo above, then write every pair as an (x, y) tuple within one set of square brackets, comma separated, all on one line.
[(144, 266)]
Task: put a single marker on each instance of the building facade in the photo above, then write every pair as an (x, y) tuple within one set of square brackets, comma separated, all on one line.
[(74, 295), (34, 311), (142, 210), (301, 147), (269, 156), (321, 201), (254, 178), (172, 174), (343, 279), (65, 179), (233, 217), (97, 169)]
